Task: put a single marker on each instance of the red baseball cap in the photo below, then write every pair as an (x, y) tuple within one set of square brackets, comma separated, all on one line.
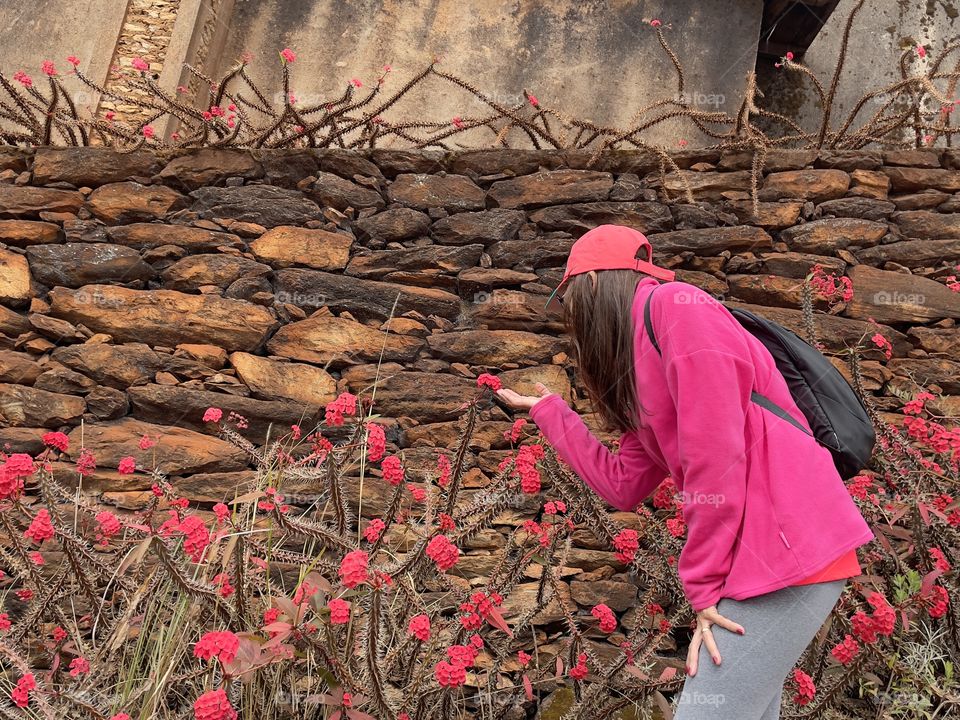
[(609, 247)]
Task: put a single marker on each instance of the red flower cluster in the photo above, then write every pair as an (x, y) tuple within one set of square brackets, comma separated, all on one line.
[(56, 440), (345, 404), (21, 692), (805, 687), (608, 621), (41, 528), (443, 552), (79, 666), (419, 627), (109, 526), (374, 530), (490, 381), (526, 467), (353, 568), (392, 470), (881, 622), (127, 465), (846, 650), (513, 434), (222, 645), (443, 470), (16, 467), (213, 415), (665, 496), (937, 601), (626, 543), (579, 671), (376, 442), (197, 537), (214, 705), (339, 611), (479, 608)]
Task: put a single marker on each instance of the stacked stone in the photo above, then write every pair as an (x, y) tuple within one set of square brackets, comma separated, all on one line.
[(136, 291)]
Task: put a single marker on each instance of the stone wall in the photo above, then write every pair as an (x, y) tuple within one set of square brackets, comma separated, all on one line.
[(135, 290)]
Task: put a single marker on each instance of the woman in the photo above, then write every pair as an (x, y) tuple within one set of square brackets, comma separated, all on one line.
[(771, 528)]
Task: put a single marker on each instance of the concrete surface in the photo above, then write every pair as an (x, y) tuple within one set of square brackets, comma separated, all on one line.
[(32, 31), (882, 30), (594, 60)]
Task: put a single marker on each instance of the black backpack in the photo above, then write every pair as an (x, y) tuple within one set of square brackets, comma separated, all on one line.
[(835, 412)]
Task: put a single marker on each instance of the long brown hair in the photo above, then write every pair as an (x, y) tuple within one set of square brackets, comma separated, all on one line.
[(597, 315)]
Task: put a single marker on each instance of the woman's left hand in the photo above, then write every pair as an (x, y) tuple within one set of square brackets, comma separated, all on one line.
[(703, 635)]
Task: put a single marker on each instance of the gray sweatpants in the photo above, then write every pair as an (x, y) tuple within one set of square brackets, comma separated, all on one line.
[(749, 680)]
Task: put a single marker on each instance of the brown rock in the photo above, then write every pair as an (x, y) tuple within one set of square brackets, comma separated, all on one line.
[(58, 379), (394, 162), (770, 290), (120, 366), (106, 403), (126, 202), (164, 317), (773, 161), (836, 333), (524, 596), (313, 289), (405, 326), (772, 215), (703, 185), (90, 166), (270, 379), (77, 264), (550, 188), (177, 449), (338, 341), (529, 255), (488, 434), (152, 235), (937, 341), (345, 163), (618, 596), (217, 486), (896, 297), (209, 355), (23, 233), (903, 179), (929, 371), (494, 347), (869, 184), (18, 368), (524, 380), (856, 207), (12, 323), (440, 258), (22, 440), (402, 394), (496, 160), (850, 160), (261, 204), (484, 227), (336, 192), (17, 201), (478, 280), (926, 225), (393, 225), (14, 277), (816, 185), (60, 331), (911, 253), (825, 236), (14, 158), (185, 407), (710, 241), (918, 157), (923, 200), (209, 166), (220, 269), (453, 193), (285, 246), (26, 406), (647, 217), (513, 310), (790, 264)]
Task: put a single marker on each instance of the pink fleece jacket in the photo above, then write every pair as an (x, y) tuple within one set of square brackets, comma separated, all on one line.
[(763, 502)]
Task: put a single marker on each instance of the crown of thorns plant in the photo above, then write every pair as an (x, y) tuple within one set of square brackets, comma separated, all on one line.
[(237, 112)]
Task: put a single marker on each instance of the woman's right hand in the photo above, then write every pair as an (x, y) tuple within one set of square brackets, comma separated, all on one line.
[(523, 402)]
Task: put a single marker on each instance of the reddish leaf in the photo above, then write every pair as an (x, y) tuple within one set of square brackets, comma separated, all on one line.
[(928, 580), (559, 667), (496, 619), (668, 674), (904, 619), (634, 670), (527, 687), (924, 512)]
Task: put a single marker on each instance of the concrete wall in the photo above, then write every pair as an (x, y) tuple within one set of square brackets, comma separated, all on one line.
[(593, 60), (881, 32)]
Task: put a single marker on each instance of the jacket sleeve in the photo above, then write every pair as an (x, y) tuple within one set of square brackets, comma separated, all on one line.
[(711, 388), (622, 479)]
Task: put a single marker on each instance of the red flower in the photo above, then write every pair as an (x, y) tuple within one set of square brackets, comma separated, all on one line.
[(288, 55), (353, 568), (223, 645), (146, 443), (214, 705), (419, 627), (79, 666), (339, 611), (374, 530), (344, 404), (5, 623), (937, 602), (376, 442), (127, 465), (56, 440), (140, 64), (490, 381), (40, 528), (443, 470), (21, 77), (450, 675), (86, 463), (74, 60), (443, 552), (627, 543), (526, 467), (197, 537), (58, 635), (805, 687), (21, 693), (48, 68), (513, 434), (392, 470), (846, 650), (676, 526), (213, 414), (608, 621), (523, 658), (462, 655), (222, 512), (579, 671)]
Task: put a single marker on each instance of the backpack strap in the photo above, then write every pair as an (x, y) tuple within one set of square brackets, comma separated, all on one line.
[(648, 324), (759, 399)]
